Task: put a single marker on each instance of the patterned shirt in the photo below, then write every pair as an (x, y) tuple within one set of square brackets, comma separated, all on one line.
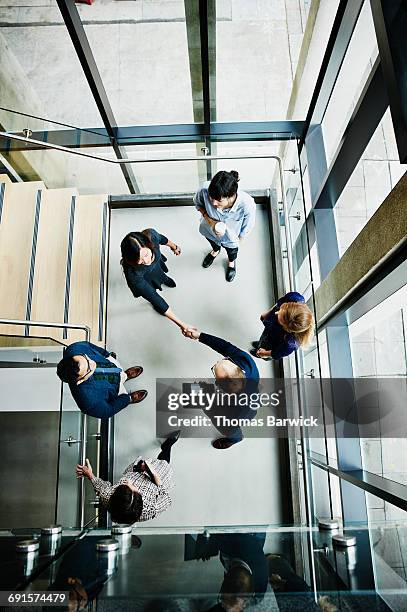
[(155, 498)]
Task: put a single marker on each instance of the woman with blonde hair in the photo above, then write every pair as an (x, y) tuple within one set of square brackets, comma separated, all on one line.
[(288, 325)]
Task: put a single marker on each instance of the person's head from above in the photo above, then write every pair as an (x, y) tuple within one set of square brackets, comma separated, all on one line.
[(137, 249), (222, 189), (297, 319), (237, 589), (75, 369), (229, 376), (125, 504)]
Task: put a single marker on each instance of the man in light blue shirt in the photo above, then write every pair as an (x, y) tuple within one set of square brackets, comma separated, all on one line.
[(228, 215)]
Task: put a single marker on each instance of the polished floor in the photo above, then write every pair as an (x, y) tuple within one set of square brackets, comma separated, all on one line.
[(241, 485)]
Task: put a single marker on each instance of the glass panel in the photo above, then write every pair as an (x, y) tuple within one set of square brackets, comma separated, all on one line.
[(76, 498), (253, 173), (253, 81), (141, 50), (359, 58), (30, 351), (374, 177), (388, 537), (29, 426), (168, 177), (37, 51), (379, 349), (58, 169)]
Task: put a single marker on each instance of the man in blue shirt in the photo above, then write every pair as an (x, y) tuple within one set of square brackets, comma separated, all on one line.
[(228, 216), (235, 373), (96, 379)]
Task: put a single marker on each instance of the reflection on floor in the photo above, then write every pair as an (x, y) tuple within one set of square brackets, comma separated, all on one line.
[(241, 485)]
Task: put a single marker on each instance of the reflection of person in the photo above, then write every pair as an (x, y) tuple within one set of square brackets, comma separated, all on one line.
[(80, 575), (288, 325), (142, 491), (285, 581), (145, 269), (96, 378), (228, 215), (236, 373), (246, 572)]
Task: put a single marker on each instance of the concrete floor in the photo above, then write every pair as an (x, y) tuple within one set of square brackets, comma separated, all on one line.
[(238, 486)]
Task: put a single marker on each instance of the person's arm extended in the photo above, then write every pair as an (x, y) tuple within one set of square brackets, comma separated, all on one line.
[(102, 488), (227, 349), (173, 317), (174, 247)]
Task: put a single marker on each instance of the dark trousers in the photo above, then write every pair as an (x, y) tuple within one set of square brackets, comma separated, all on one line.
[(232, 252), (265, 341)]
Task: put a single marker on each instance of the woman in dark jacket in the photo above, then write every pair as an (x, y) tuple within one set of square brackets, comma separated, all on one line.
[(288, 325), (146, 271)]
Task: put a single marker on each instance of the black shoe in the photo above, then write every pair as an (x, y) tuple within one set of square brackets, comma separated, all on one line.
[(255, 344), (174, 437), (230, 273), (169, 282), (208, 260)]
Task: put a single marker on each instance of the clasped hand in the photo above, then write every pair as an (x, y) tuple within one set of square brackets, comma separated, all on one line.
[(190, 332)]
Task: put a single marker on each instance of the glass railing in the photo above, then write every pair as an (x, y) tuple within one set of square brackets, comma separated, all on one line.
[(281, 568), (43, 435)]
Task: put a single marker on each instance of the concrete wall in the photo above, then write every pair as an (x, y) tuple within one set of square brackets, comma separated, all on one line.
[(385, 231)]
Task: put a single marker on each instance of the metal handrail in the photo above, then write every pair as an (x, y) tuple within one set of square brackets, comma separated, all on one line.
[(29, 323), (84, 422)]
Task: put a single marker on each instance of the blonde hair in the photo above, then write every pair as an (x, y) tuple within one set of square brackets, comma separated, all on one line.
[(297, 319)]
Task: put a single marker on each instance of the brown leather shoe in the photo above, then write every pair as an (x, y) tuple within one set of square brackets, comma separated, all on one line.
[(133, 372), (138, 396)]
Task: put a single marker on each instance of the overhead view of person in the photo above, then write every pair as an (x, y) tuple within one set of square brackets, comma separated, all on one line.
[(142, 491), (246, 570), (228, 216), (145, 269), (96, 380), (288, 325), (236, 373)]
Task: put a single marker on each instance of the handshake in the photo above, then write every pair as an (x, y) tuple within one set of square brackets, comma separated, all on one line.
[(190, 332)]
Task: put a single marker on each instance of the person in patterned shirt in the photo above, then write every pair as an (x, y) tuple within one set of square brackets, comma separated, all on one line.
[(142, 491)]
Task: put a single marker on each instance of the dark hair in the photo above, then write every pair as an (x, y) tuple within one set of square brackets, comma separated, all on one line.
[(223, 185), (125, 505), (68, 369), (237, 583), (131, 245)]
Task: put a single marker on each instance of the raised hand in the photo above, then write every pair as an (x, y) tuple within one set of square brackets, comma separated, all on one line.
[(84, 471)]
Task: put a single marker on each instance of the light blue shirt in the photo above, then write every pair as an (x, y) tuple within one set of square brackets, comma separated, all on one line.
[(239, 219)]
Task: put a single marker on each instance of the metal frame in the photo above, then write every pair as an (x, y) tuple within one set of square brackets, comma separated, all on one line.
[(339, 39), (390, 21), (84, 424), (80, 42)]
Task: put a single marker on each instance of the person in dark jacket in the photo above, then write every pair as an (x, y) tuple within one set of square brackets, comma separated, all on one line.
[(235, 373), (288, 325), (96, 378), (146, 271), (245, 564)]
